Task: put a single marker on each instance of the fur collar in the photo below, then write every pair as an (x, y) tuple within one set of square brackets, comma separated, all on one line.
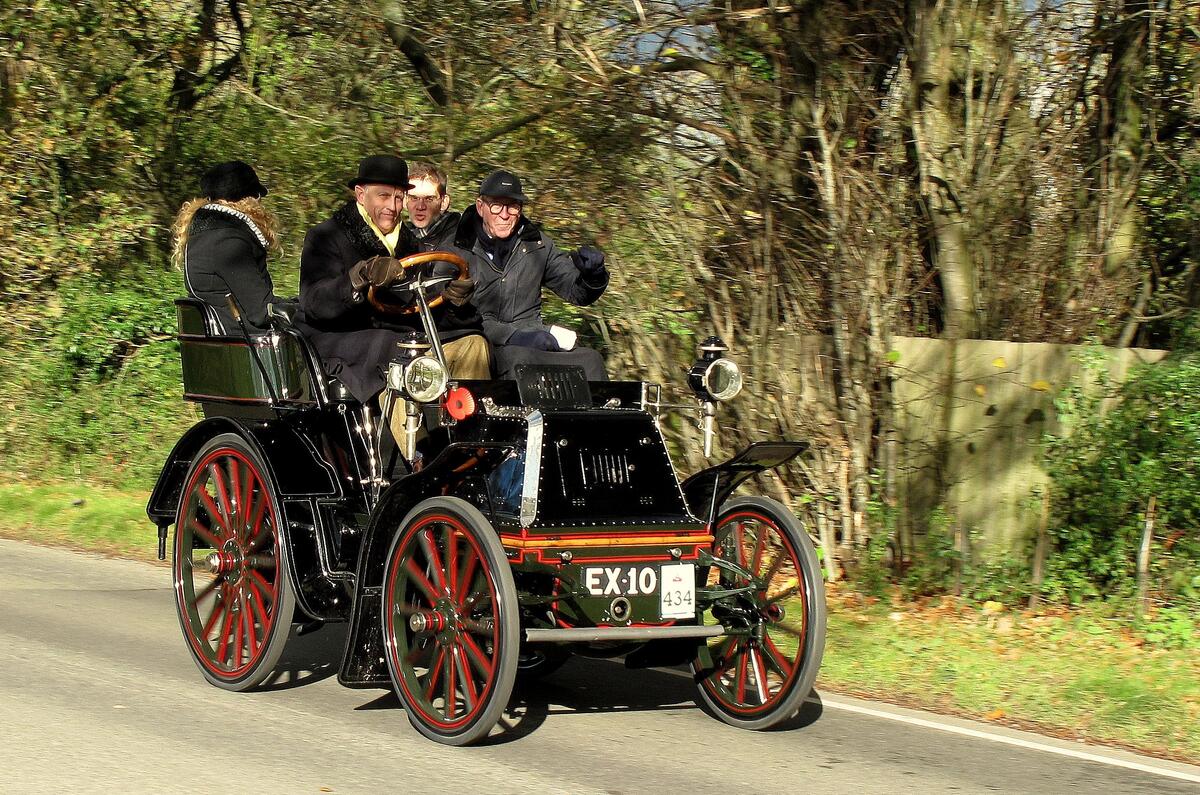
[(361, 237), (464, 238), (238, 214)]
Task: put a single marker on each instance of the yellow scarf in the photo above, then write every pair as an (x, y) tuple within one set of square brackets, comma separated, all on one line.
[(389, 241)]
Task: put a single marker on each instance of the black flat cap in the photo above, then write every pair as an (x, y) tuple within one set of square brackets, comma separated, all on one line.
[(503, 185), (231, 181), (382, 170)]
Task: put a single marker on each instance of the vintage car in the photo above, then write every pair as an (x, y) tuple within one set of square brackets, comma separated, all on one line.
[(547, 520)]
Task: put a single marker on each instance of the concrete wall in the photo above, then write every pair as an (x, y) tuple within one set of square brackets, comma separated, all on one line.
[(972, 417)]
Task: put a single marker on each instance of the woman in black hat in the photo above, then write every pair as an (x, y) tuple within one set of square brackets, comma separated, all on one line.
[(221, 242)]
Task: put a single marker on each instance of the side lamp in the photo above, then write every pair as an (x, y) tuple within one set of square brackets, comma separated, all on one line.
[(418, 378), (713, 379)]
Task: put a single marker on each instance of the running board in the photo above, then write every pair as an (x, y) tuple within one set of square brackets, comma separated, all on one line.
[(602, 634)]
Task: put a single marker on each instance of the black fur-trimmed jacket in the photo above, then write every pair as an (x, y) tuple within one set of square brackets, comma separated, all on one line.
[(226, 253), (355, 341)]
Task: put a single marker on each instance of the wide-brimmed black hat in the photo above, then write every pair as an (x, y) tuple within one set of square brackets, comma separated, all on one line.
[(232, 181), (382, 170), (503, 185)]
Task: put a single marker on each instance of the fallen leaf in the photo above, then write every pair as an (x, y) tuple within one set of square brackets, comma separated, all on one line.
[(995, 714)]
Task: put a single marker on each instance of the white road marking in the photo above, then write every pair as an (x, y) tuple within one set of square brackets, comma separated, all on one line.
[(1001, 738)]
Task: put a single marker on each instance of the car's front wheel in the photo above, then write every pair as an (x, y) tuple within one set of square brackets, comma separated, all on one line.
[(450, 621), (758, 676)]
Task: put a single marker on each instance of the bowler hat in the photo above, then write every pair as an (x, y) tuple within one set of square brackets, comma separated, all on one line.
[(382, 170), (503, 185), (231, 181)]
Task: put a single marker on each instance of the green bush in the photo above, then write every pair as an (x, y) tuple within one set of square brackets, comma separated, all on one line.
[(96, 383), (1105, 474)]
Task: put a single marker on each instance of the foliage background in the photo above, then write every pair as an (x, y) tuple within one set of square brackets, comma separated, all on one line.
[(853, 171)]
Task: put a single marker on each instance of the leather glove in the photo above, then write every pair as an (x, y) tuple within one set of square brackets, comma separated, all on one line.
[(377, 271), (459, 291), (534, 338), (589, 260)]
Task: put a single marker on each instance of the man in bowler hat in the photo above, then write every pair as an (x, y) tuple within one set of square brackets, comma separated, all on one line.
[(357, 248)]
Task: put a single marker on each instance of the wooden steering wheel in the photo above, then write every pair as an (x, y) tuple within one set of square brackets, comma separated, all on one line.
[(377, 296)]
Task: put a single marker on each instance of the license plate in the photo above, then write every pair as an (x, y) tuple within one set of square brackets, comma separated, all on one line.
[(674, 583), (678, 595)]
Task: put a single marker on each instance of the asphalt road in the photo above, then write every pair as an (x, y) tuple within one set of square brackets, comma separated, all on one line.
[(98, 694)]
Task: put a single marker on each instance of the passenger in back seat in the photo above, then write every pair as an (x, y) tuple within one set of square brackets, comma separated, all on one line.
[(221, 241)]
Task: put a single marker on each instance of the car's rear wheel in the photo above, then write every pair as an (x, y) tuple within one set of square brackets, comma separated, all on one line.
[(758, 677), (229, 567), (450, 621)]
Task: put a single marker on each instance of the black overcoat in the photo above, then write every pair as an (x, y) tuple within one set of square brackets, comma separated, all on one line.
[(437, 234), (355, 341), (226, 253)]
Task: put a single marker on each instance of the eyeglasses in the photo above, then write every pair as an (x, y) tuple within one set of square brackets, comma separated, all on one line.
[(498, 208), (423, 201)]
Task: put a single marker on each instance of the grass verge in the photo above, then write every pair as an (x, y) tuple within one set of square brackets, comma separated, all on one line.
[(1071, 674), (1068, 673), (78, 515)]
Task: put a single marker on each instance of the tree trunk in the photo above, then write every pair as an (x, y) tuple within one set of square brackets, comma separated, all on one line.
[(938, 136)]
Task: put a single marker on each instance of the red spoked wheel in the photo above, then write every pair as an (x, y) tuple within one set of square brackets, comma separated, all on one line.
[(759, 675), (450, 621), (232, 591)]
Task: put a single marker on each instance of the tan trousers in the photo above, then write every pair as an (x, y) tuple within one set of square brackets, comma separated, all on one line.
[(466, 357)]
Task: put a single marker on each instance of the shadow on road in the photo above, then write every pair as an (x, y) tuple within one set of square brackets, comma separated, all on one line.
[(586, 685), (308, 658)]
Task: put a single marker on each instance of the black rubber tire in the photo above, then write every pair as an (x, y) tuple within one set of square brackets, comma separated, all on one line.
[(463, 594), (242, 527), (754, 683)]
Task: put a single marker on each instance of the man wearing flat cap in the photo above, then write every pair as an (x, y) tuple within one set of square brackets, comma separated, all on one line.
[(511, 260), (357, 248)]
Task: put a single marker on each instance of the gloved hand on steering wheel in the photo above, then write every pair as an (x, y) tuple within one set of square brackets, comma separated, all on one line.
[(589, 260), (376, 271), (459, 291), (538, 339)]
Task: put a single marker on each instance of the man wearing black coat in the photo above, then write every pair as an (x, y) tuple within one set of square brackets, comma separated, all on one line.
[(356, 249), (430, 222), (511, 260)]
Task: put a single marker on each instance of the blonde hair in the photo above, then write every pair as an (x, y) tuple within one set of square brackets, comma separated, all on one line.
[(422, 170), (263, 218)]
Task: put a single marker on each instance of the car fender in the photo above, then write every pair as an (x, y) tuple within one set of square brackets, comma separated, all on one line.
[(362, 664), (708, 489), (305, 473)]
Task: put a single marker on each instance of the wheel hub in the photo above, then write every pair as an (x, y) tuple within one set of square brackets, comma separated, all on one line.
[(229, 559), (428, 621)]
